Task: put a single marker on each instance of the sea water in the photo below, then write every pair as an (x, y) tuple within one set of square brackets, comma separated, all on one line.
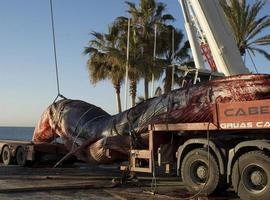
[(16, 133)]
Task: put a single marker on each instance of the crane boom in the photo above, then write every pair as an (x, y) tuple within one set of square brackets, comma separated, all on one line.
[(210, 21)]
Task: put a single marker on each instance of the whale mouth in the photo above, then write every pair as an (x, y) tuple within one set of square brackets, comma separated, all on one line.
[(43, 131)]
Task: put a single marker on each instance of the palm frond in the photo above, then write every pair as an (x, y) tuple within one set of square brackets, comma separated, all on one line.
[(261, 51), (264, 40), (247, 23), (89, 50), (259, 26)]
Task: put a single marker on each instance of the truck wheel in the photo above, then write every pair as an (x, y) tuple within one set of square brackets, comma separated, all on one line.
[(251, 176), (6, 156), (20, 157), (194, 171)]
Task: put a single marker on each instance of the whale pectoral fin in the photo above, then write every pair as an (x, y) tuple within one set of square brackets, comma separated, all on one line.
[(107, 150)]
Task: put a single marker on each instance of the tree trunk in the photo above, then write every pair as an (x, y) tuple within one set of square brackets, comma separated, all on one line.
[(117, 88), (133, 91), (146, 88), (168, 80)]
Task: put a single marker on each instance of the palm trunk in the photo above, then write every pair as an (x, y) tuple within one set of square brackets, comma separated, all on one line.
[(117, 88), (133, 91), (168, 80), (146, 88)]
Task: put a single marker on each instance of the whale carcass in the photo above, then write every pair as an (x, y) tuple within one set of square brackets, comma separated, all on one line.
[(79, 123)]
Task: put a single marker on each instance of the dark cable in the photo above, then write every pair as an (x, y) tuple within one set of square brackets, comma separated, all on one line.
[(54, 49), (252, 62)]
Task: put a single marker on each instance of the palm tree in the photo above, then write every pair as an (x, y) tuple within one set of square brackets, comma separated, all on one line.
[(135, 62), (248, 25), (102, 63), (179, 55), (144, 17)]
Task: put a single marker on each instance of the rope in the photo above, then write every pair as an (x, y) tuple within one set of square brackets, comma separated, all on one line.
[(74, 150), (55, 54), (154, 183), (252, 62)]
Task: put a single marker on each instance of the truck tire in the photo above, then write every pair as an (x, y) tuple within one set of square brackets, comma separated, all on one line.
[(21, 157), (6, 156), (251, 176), (194, 171)]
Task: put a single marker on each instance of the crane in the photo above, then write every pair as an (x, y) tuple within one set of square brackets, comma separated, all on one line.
[(208, 32)]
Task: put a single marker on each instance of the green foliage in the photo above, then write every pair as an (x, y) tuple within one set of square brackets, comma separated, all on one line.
[(179, 55), (107, 51), (104, 62), (248, 25), (144, 18)]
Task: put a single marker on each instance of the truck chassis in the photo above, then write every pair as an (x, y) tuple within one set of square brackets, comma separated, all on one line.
[(231, 150)]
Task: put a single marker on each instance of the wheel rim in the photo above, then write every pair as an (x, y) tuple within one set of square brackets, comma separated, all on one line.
[(254, 178), (198, 172), (5, 155)]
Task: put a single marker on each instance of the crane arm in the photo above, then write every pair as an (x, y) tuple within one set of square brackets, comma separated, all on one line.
[(215, 30)]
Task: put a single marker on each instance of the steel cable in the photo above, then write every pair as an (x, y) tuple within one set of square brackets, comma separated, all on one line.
[(55, 53)]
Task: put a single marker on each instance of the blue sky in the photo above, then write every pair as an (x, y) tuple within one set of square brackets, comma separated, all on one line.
[(27, 74)]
